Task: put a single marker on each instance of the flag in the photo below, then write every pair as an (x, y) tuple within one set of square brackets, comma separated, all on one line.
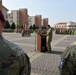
[(25, 26)]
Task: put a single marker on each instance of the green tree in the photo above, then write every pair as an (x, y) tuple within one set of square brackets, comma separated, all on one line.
[(43, 27), (31, 27), (7, 25), (34, 27), (13, 26), (37, 27)]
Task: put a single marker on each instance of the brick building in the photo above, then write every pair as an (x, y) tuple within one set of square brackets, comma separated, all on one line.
[(23, 16), (38, 19), (45, 22)]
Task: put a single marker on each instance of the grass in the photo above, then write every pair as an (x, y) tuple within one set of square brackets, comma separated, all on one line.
[(75, 32)]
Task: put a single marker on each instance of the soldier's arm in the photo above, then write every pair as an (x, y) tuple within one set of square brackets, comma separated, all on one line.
[(26, 68), (48, 33)]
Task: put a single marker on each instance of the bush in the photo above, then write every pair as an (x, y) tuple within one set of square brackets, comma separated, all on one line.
[(8, 30), (7, 25), (13, 26)]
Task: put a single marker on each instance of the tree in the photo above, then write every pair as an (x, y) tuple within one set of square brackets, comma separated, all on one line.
[(43, 27), (34, 27), (13, 26), (7, 25), (31, 27), (37, 27)]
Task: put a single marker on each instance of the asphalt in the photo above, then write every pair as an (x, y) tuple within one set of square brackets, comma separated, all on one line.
[(42, 63)]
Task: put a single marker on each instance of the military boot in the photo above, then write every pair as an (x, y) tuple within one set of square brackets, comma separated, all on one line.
[(49, 51)]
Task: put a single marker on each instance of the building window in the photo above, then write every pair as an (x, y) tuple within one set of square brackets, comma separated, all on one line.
[(6, 16), (74, 25), (29, 20), (17, 21), (11, 17), (17, 13), (17, 16), (11, 21), (11, 13)]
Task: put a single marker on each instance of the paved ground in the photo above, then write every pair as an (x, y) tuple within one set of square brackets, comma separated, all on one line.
[(42, 63)]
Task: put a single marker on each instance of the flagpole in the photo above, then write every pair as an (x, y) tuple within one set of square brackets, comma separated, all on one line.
[(35, 40)]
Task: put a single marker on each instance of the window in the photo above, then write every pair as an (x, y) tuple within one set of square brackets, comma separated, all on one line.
[(11, 13), (11, 17), (6, 16), (11, 21)]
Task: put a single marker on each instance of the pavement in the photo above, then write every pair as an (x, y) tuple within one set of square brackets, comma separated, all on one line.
[(42, 63)]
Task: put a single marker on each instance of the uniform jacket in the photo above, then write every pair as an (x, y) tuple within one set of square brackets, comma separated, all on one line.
[(12, 58), (49, 35)]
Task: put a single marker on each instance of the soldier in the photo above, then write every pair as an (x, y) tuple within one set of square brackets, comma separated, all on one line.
[(48, 38), (68, 61), (23, 32), (13, 61)]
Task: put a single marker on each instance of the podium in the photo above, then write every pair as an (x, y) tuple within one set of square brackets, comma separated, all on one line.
[(41, 43)]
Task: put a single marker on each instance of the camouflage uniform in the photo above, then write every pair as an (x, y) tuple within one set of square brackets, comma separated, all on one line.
[(26, 33), (49, 39), (13, 61), (68, 64)]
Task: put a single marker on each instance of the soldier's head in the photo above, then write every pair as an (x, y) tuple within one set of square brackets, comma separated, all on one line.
[(2, 19), (48, 26)]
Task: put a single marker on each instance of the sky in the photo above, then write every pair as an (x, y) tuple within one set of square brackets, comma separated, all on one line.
[(55, 10)]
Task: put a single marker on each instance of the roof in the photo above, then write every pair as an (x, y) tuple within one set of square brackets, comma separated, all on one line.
[(74, 23), (62, 23), (65, 23), (5, 8)]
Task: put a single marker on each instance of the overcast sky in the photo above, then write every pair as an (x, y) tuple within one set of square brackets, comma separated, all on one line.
[(56, 10)]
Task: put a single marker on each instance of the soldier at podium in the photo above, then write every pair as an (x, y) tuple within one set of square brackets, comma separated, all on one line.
[(48, 38)]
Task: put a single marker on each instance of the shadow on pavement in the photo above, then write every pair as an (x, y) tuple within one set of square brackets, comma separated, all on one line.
[(56, 52)]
